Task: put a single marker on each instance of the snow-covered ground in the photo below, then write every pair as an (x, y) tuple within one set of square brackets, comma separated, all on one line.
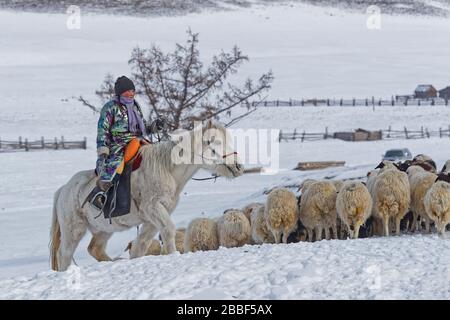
[(313, 52)]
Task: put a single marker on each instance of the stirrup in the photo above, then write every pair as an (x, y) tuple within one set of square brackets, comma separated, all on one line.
[(99, 200)]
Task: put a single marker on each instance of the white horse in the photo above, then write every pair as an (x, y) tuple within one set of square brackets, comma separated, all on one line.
[(155, 190)]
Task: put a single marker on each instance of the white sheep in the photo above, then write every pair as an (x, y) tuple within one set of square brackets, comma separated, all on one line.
[(179, 240), (260, 230), (318, 209), (437, 205), (354, 206), (250, 208), (154, 248), (420, 181), (390, 195), (233, 229), (281, 213), (201, 235)]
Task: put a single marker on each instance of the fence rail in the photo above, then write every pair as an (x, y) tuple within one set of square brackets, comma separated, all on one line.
[(25, 145), (368, 102), (388, 134)]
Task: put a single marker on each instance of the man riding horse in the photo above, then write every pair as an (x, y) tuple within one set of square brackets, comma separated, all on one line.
[(121, 126)]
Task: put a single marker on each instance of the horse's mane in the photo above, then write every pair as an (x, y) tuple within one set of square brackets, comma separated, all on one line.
[(157, 158)]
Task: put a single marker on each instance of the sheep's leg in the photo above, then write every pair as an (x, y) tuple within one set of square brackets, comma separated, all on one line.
[(386, 226), (414, 225), (334, 229), (318, 233), (310, 235), (277, 235), (397, 225), (427, 225), (327, 233), (356, 232)]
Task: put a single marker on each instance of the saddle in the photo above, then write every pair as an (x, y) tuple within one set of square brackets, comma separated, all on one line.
[(118, 196)]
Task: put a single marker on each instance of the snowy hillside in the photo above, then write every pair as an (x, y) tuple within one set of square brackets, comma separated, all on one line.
[(407, 267), (179, 7), (313, 52)]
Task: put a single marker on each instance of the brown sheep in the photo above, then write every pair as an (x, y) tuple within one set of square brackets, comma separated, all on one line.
[(201, 235)]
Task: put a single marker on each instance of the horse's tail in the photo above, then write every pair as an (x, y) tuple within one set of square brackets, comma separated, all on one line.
[(55, 234)]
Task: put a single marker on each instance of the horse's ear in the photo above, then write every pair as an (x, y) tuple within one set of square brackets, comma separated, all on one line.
[(209, 124)]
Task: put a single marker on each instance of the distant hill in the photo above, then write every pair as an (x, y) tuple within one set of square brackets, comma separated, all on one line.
[(440, 8)]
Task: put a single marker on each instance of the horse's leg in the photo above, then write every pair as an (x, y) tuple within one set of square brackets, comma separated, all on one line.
[(140, 245), (161, 219), (97, 246), (73, 228)]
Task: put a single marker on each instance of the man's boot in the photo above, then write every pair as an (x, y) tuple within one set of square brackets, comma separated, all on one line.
[(98, 199)]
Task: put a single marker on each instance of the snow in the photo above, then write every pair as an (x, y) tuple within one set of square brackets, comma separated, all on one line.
[(313, 54), (376, 268)]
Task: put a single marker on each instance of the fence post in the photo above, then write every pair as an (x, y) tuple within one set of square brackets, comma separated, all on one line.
[(84, 143), (354, 102), (389, 132), (341, 102), (295, 133), (367, 102), (42, 143), (449, 131), (62, 142), (20, 142), (326, 133), (26, 144), (406, 133), (303, 136), (328, 102), (278, 103), (0, 142), (280, 135), (427, 133), (440, 132), (56, 143), (421, 132)]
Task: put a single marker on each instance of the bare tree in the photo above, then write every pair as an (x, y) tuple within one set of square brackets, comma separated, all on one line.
[(180, 89)]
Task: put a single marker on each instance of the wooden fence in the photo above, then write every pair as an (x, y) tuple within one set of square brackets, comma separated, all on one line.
[(26, 145), (385, 134), (368, 102)]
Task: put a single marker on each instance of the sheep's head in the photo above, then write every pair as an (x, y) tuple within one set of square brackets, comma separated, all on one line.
[(446, 167), (443, 177), (386, 165), (403, 165)]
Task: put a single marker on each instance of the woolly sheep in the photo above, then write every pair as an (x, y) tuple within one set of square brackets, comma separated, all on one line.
[(420, 181), (250, 208), (390, 195), (354, 206), (260, 230), (318, 209), (437, 205), (154, 248), (179, 240), (281, 213), (338, 184), (201, 235), (233, 229)]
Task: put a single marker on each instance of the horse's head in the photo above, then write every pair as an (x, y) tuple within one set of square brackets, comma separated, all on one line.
[(218, 153)]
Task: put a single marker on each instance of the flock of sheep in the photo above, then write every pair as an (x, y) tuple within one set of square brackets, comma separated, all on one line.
[(396, 197)]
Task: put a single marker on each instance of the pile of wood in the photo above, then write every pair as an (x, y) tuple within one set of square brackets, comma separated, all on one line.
[(317, 165)]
